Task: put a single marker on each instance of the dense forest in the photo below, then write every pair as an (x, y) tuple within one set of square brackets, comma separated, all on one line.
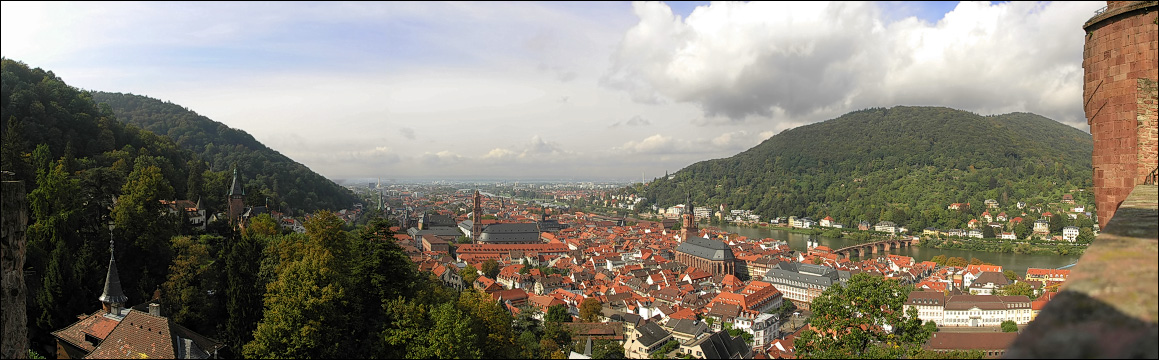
[(84, 172), (903, 164), (269, 175)]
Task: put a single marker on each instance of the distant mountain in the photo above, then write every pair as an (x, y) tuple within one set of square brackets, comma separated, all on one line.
[(267, 173), (902, 164)]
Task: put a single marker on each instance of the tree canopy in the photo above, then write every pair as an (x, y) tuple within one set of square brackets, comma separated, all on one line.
[(863, 318)]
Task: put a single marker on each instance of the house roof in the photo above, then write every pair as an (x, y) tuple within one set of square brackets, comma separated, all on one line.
[(691, 327), (706, 249), (96, 325), (997, 278), (926, 298), (510, 232), (722, 346), (650, 334), (141, 335)]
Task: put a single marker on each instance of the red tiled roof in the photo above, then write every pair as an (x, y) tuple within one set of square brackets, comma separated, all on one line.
[(95, 324)]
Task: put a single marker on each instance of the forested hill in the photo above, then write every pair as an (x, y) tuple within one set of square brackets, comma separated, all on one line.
[(900, 164), (267, 173)]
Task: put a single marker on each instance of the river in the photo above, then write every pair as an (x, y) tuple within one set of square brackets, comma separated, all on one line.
[(1016, 262)]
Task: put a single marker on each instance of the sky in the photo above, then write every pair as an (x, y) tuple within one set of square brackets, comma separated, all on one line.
[(553, 90)]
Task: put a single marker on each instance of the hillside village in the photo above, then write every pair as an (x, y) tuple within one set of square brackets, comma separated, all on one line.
[(687, 292)]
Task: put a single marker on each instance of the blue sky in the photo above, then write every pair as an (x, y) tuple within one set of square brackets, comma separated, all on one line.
[(582, 90)]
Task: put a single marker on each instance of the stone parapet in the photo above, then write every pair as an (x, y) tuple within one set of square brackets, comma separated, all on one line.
[(1109, 305)]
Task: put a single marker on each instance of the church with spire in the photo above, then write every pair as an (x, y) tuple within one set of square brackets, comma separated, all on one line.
[(119, 332), (708, 255)]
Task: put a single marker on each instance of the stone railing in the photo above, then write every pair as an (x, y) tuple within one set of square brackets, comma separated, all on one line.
[(1109, 304)]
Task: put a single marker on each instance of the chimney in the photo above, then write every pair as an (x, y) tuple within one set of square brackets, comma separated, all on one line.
[(155, 309)]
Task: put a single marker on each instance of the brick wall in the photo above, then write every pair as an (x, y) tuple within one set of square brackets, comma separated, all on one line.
[(1121, 48), (1147, 126)]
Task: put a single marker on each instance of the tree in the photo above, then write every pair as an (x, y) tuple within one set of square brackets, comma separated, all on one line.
[(988, 232), (244, 289), (607, 349), (1022, 230), (557, 313), (956, 261), (1010, 275), (1086, 236), (190, 277), (590, 310), (1018, 288), (305, 313), (1009, 326), (939, 259), (469, 274), (1056, 222), (490, 268), (850, 320), (144, 222), (490, 322)]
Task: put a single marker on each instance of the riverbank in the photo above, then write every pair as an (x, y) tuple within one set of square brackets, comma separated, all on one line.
[(1018, 262), (1035, 247)]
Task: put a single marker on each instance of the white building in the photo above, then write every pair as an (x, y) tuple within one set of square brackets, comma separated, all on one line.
[(969, 310), (886, 226), (930, 304), (763, 328), (1070, 233), (985, 310)]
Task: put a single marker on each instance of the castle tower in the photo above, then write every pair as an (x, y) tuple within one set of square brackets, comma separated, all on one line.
[(1119, 98), (688, 226), (236, 200), (112, 299), (477, 217)]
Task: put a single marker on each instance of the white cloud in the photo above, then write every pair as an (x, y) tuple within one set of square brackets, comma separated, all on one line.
[(655, 144), (818, 60)]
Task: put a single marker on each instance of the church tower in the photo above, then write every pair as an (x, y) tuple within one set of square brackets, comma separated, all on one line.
[(236, 200), (477, 217), (688, 227)]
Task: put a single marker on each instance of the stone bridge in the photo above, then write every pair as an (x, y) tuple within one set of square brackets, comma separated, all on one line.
[(872, 248)]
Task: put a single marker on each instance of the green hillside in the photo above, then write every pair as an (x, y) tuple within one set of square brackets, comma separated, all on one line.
[(904, 164), (268, 174)]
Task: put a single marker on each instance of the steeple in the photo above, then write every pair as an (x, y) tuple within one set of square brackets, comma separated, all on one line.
[(236, 200), (477, 217), (112, 298), (688, 227), (236, 189)]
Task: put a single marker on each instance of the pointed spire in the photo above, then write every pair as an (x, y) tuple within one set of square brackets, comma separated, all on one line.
[(236, 188), (113, 293)]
